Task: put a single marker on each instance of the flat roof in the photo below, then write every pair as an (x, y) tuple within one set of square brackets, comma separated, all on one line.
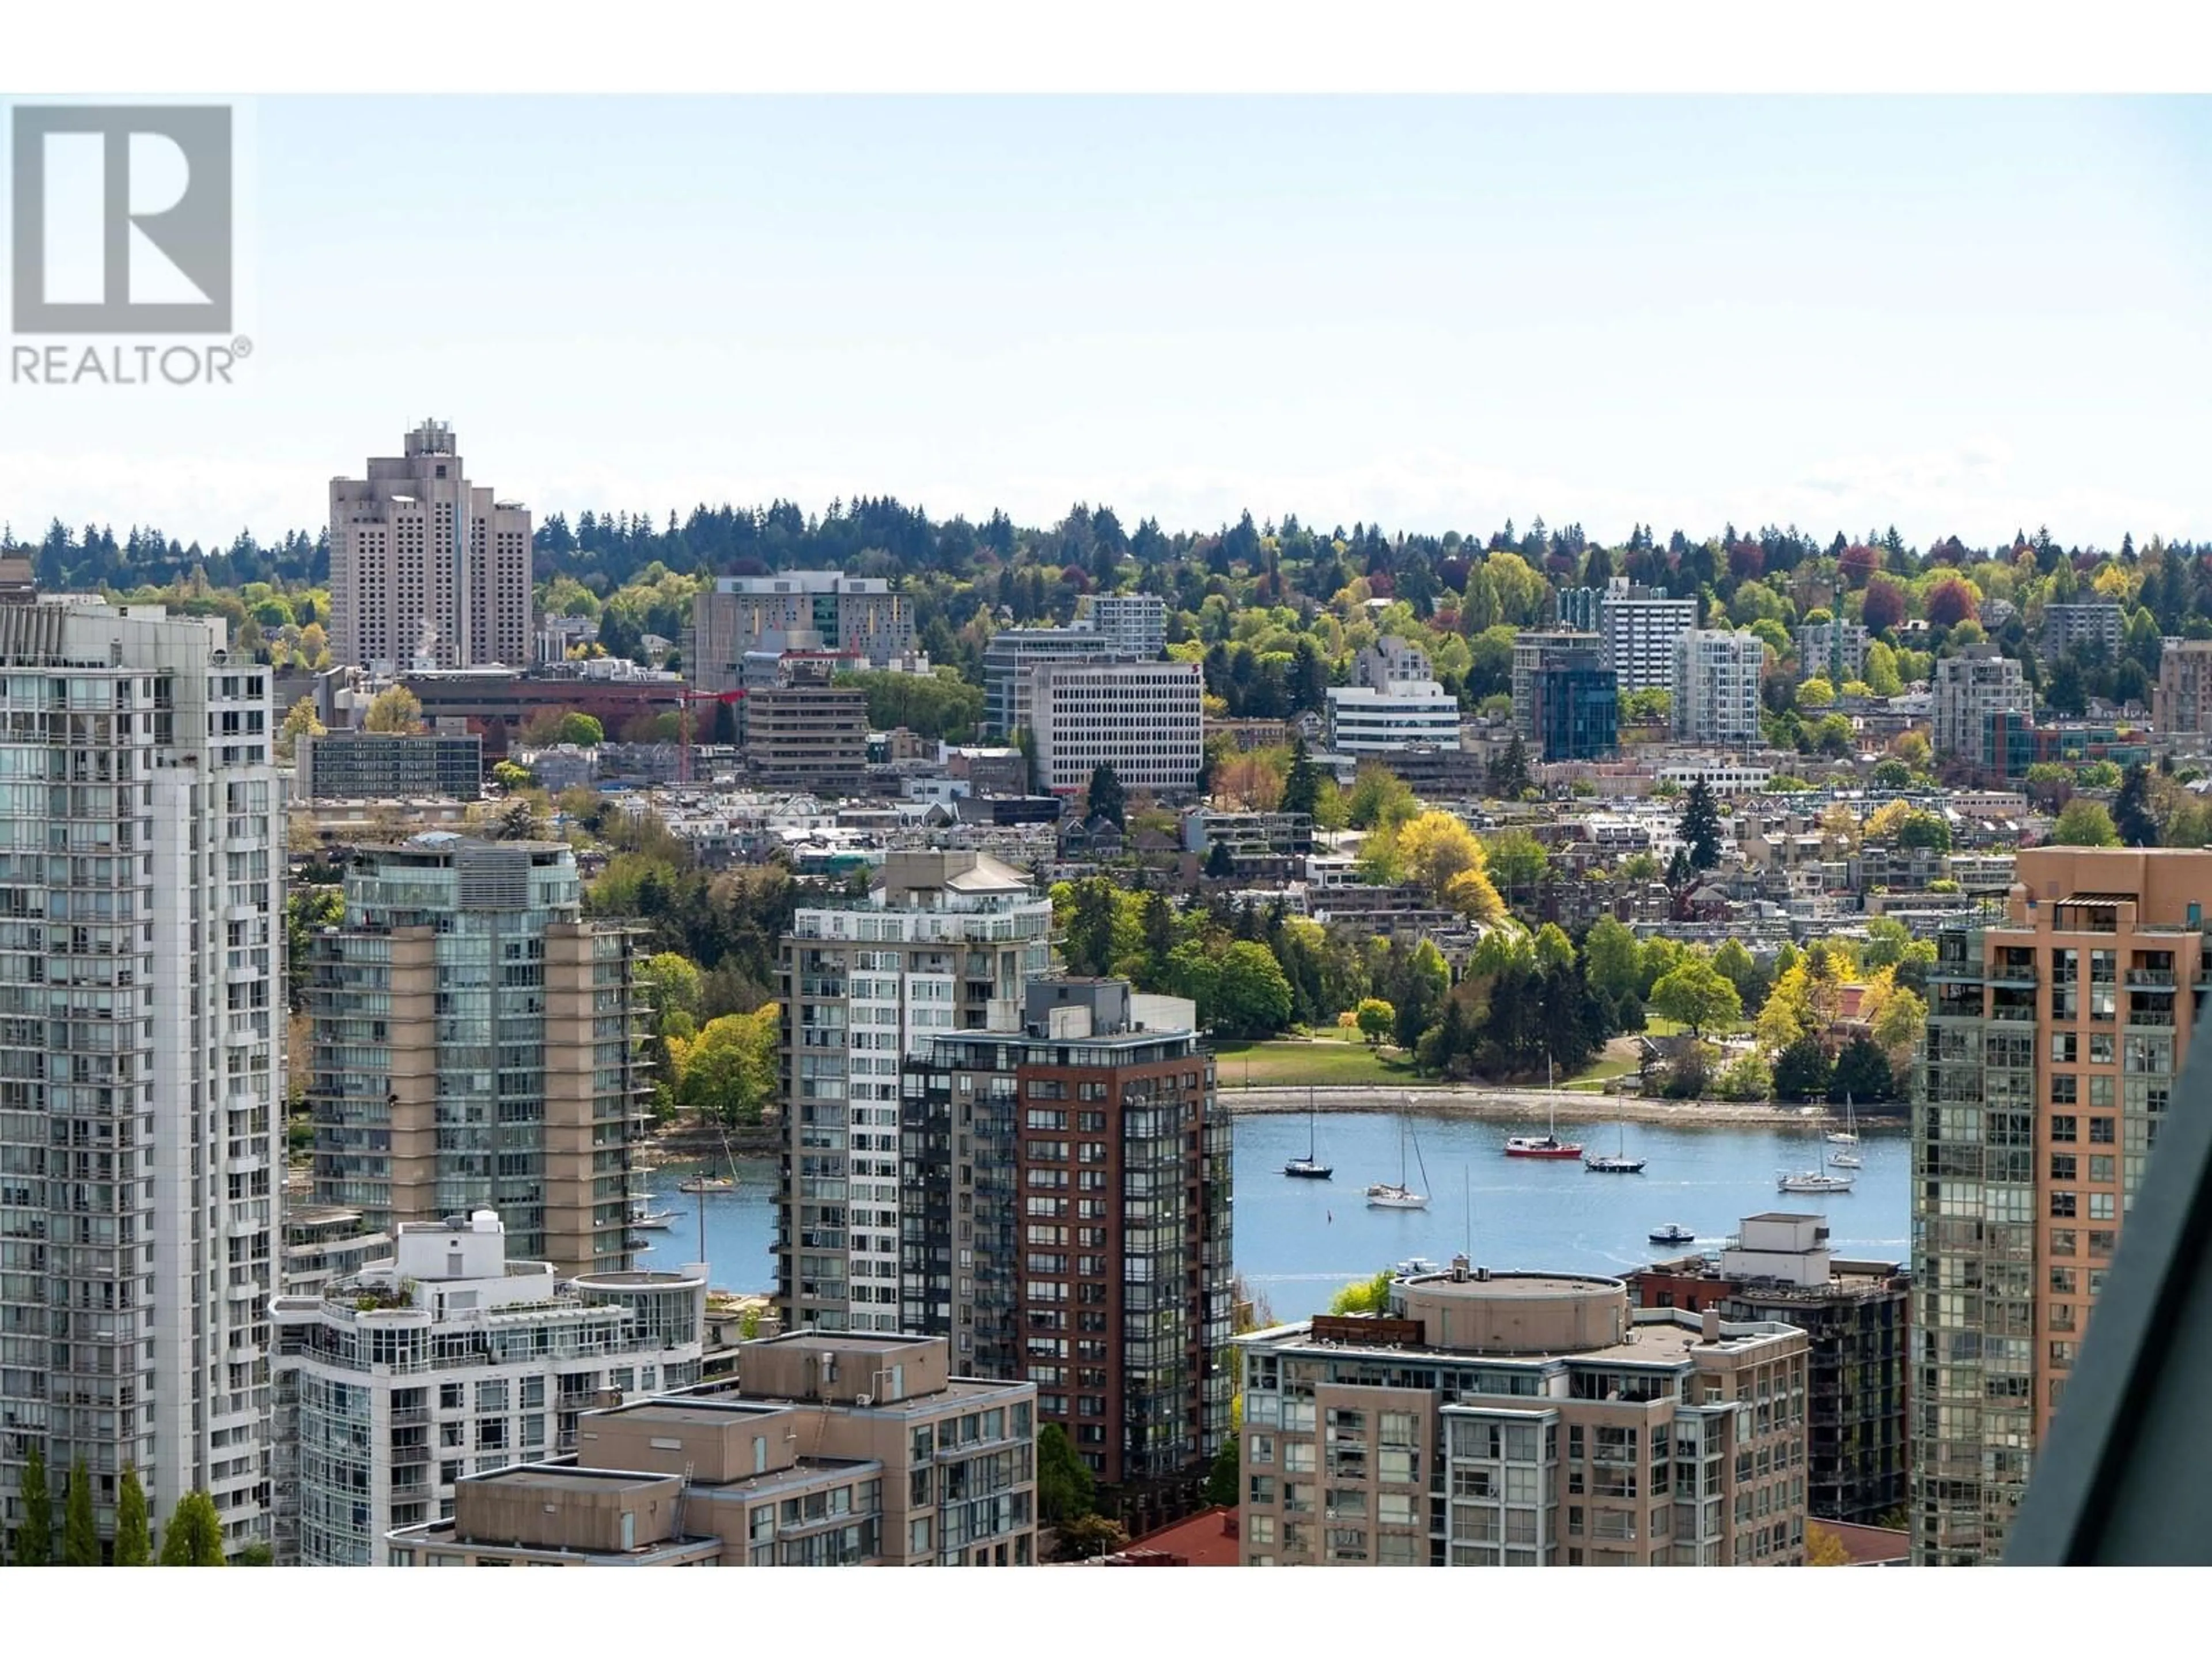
[(551, 1477)]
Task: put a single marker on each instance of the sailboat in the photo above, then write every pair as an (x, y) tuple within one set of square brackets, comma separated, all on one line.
[(1848, 1157), (1815, 1181), (1383, 1195), (703, 1182), (1308, 1168), (1547, 1145), (1615, 1163), (1849, 1134)]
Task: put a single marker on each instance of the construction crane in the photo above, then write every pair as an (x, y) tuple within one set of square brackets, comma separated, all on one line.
[(686, 697)]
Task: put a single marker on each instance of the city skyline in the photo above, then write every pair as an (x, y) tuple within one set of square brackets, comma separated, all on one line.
[(1432, 313)]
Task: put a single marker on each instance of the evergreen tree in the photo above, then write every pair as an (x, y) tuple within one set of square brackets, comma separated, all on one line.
[(1065, 1488), (133, 1547), (1701, 827), (35, 1537), (1301, 787), (1105, 797), (1803, 1071), (1509, 773), (80, 1542), (193, 1537), (2131, 813)]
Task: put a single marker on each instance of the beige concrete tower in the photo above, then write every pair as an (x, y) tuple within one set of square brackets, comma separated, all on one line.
[(425, 565)]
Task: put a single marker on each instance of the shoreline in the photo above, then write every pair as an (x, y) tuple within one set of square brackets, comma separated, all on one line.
[(1518, 1104)]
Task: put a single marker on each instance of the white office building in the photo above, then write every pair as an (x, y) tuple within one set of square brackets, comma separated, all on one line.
[(1134, 624), (1013, 652), (1369, 721), (1715, 686), (1146, 719), (446, 1360), (142, 1032)]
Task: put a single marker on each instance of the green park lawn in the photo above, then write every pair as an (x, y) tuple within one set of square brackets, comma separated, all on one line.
[(1294, 1062)]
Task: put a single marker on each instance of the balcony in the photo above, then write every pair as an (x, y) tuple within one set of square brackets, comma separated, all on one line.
[(2154, 977)]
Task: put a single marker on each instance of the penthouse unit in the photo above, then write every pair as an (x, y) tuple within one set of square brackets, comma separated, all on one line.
[(426, 568), (1779, 1268), (1134, 623), (380, 765), (793, 610), (445, 1359), (943, 942), (1146, 719), (142, 1028), (1523, 1419), (824, 1451), (478, 1045), (2056, 1029), (1072, 1188)]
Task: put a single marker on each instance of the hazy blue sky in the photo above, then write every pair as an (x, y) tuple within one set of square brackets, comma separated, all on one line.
[(1958, 315)]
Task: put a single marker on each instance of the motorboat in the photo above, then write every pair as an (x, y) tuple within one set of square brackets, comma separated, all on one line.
[(651, 1221), (705, 1184), (1673, 1233)]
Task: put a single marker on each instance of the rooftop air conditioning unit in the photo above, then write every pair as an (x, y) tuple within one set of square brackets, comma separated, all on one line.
[(864, 1401)]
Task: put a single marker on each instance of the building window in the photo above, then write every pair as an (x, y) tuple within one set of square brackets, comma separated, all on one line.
[(2062, 1241), (2061, 1205), (2063, 1127)]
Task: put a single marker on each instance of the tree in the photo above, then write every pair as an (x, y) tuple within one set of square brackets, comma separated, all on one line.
[(1380, 798), (1518, 863), (133, 1547), (395, 709), (1302, 784), (1509, 774), (581, 729), (193, 1537), (300, 720), (1088, 1536), (1801, 1071), (35, 1537), (1701, 827), (1824, 1547), (1695, 994), (80, 1542), (728, 1072), (1374, 1018), (1252, 998), (1066, 1489), (1898, 1026), (1222, 1479), (1363, 1296), (2085, 823), (2131, 813), (1609, 958), (1105, 798), (672, 983), (1883, 608), (1862, 1073)]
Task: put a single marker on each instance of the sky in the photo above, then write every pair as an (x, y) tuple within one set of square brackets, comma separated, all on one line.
[(1959, 316)]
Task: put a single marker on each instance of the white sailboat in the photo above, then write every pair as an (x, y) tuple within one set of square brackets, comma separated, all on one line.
[(1849, 1134), (1815, 1181), (1385, 1195)]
